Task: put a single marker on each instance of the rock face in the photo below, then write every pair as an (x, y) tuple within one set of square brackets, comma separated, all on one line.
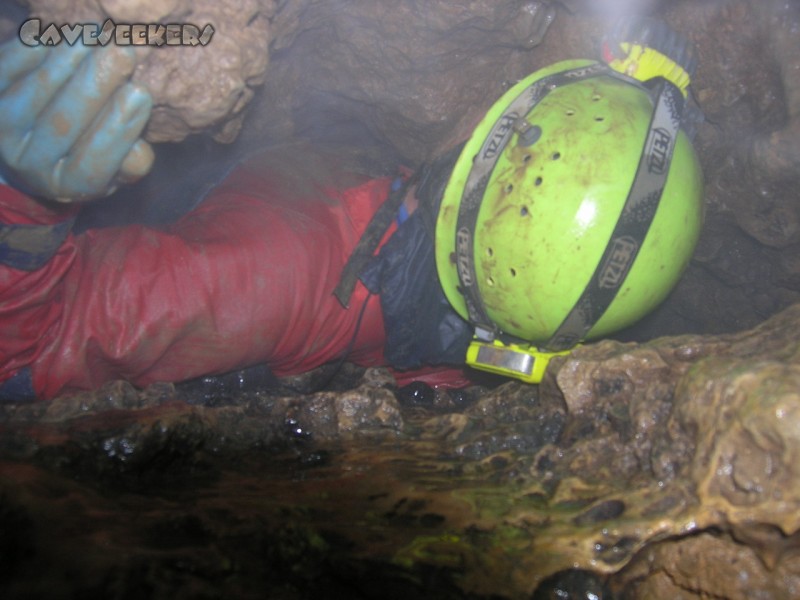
[(746, 265), (708, 428), (406, 76), (207, 91)]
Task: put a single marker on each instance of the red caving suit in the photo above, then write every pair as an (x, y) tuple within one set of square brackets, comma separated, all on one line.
[(246, 278)]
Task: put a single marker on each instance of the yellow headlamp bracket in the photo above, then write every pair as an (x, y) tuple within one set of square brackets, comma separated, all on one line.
[(519, 361), (644, 63)]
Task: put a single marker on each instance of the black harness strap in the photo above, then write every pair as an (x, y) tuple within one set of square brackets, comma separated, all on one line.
[(29, 247), (368, 243), (430, 179)]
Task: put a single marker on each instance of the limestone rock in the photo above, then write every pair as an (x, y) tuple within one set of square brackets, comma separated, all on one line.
[(143, 11), (679, 569), (403, 76), (711, 423)]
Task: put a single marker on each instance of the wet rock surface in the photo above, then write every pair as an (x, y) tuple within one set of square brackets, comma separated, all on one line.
[(660, 470)]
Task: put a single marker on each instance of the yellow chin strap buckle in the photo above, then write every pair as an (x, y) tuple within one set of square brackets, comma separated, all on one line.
[(520, 361)]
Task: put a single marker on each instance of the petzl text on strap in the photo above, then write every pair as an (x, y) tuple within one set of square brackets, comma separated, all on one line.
[(511, 120), (634, 221)]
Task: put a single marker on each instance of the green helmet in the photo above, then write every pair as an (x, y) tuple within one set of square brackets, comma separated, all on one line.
[(531, 234)]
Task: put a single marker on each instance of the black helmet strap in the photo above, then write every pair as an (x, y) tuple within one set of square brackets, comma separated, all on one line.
[(634, 221), (483, 164)]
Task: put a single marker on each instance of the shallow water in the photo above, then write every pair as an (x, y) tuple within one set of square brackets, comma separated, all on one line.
[(176, 500)]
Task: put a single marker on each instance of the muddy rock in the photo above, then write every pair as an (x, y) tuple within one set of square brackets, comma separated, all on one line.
[(709, 427), (510, 421), (118, 430), (403, 77), (745, 439), (333, 415), (680, 569)]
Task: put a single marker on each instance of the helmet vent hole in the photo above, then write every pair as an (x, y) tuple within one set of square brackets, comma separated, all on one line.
[(509, 188), (490, 281), (598, 119), (537, 181), (569, 112), (513, 272), (527, 158), (489, 252), (556, 155), (523, 211)]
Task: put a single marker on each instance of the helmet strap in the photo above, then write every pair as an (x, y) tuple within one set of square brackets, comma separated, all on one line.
[(483, 164), (634, 221)]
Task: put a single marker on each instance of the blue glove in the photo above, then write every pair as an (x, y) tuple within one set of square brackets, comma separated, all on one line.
[(70, 120)]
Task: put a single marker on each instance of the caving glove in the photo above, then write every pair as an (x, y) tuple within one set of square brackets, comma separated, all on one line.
[(70, 120)]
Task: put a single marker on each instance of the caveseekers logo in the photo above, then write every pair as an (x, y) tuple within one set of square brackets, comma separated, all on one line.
[(91, 34)]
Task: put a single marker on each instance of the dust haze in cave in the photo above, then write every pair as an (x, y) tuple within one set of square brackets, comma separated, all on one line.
[(662, 468)]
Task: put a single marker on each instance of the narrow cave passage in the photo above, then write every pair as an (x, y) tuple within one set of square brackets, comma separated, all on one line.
[(655, 461)]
